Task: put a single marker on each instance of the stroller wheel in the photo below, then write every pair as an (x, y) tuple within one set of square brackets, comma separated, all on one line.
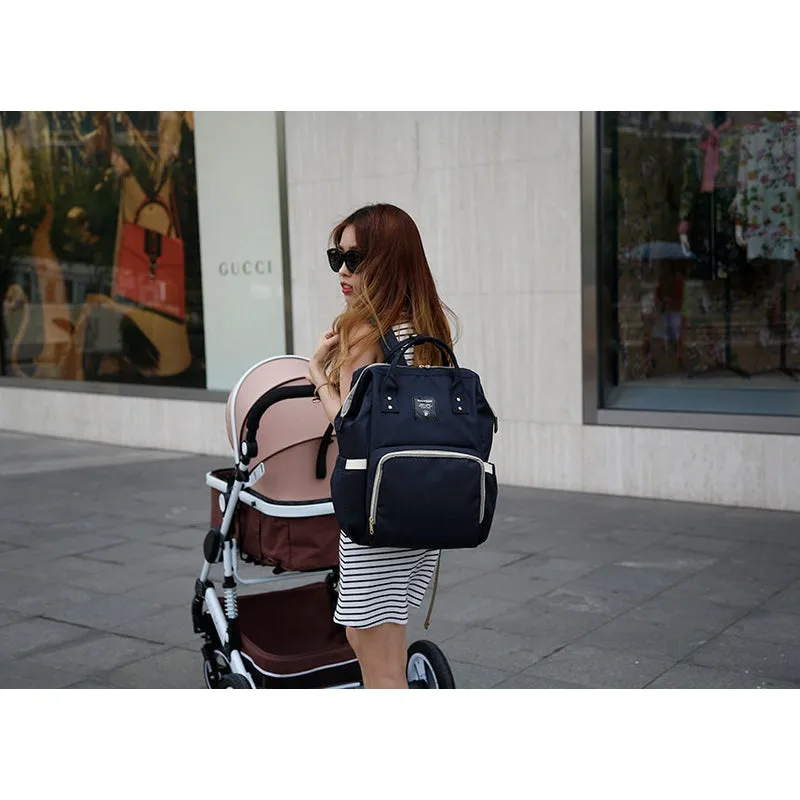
[(234, 681), (427, 667), (215, 666)]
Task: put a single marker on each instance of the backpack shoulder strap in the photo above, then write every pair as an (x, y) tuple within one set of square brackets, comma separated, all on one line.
[(389, 342)]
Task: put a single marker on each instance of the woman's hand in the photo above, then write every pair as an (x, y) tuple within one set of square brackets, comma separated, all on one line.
[(316, 370)]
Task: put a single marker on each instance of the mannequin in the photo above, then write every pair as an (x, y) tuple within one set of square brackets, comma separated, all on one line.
[(709, 187), (706, 227), (767, 211)]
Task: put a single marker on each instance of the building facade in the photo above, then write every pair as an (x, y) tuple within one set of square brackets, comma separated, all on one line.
[(626, 282)]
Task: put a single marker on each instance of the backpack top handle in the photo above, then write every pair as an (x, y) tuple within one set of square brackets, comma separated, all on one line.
[(398, 352)]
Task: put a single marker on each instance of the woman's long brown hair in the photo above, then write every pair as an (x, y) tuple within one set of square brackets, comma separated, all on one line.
[(396, 286)]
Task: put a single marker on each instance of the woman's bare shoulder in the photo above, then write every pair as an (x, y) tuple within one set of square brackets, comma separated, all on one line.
[(362, 342)]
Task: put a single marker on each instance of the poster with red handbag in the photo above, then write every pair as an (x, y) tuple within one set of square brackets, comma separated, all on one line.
[(151, 268)]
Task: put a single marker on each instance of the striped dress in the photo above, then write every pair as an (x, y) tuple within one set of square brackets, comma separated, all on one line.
[(378, 584)]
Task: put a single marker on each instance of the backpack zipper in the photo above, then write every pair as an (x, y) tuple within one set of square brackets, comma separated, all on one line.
[(422, 454)]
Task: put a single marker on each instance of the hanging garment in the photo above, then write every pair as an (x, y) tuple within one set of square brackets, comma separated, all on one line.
[(766, 203), (707, 192)]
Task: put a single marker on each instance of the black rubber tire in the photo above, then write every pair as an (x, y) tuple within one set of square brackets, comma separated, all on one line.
[(436, 664), (209, 675), (234, 681)]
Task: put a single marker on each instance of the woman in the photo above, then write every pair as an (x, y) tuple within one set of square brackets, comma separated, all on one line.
[(387, 284)]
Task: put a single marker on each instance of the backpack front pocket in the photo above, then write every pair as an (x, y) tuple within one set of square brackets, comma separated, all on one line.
[(430, 498)]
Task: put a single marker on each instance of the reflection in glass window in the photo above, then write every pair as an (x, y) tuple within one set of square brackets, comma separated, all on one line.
[(700, 236), (99, 248)]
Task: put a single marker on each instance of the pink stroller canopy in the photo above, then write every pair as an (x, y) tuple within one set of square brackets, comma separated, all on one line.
[(289, 435)]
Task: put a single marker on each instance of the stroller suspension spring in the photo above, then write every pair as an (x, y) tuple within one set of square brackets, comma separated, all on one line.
[(231, 605)]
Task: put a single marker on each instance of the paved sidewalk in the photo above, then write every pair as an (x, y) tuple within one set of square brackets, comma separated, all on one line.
[(100, 546)]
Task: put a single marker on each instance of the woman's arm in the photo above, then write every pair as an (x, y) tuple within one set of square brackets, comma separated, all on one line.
[(361, 354)]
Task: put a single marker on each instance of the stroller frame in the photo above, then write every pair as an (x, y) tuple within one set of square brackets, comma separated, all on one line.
[(226, 663), (225, 639)]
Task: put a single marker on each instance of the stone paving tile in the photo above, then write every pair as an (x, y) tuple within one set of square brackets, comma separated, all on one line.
[(521, 542), (32, 597), (587, 597), (688, 612), (35, 634), (769, 626), (507, 652), (665, 556), (525, 681), (705, 545), (688, 676), (127, 553), (473, 676), (62, 543), (452, 576), (114, 610), (483, 559), (27, 559), (75, 571), (174, 590), (146, 531), (171, 669), (439, 631), (786, 600), (762, 659), (603, 669), (13, 532), (41, 514), (766, 553), (457, 605), (647, 638), (90, 683), (181, 538), (10, 617), (736, 587), (175, 562), (116, 579), (630, 577), (23, 674), (593, 551), (548, 568), (512, 588), (64, 521), (548, 626), (102, 653), (171, 627)]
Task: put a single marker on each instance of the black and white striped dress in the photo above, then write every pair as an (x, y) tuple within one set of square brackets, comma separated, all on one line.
[(378, 584)]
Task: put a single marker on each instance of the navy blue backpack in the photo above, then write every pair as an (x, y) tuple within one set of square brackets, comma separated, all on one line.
[(414, 442)]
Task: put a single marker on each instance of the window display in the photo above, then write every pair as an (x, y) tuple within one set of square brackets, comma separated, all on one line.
[(700, 238), (99, 247)]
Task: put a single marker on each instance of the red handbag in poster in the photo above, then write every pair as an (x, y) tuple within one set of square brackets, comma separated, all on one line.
[(151, 269)]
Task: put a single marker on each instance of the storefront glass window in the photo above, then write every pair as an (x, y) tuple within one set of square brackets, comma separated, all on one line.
[(99, 248), (700, 277)]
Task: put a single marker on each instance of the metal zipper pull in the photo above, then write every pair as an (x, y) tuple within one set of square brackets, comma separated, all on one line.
[(372, 526)]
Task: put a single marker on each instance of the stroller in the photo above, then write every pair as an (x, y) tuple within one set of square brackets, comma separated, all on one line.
[(273, 510)]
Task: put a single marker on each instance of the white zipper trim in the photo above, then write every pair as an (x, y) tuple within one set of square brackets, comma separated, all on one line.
[(424, 454)]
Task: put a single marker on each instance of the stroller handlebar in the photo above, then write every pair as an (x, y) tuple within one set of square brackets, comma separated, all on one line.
[(249, 448)]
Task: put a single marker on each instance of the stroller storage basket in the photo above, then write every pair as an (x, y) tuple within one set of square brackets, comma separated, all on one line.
[(289, 639), (300, 544)]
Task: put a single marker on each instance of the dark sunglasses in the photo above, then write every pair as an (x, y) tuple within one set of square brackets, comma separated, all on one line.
[(352, 258)]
